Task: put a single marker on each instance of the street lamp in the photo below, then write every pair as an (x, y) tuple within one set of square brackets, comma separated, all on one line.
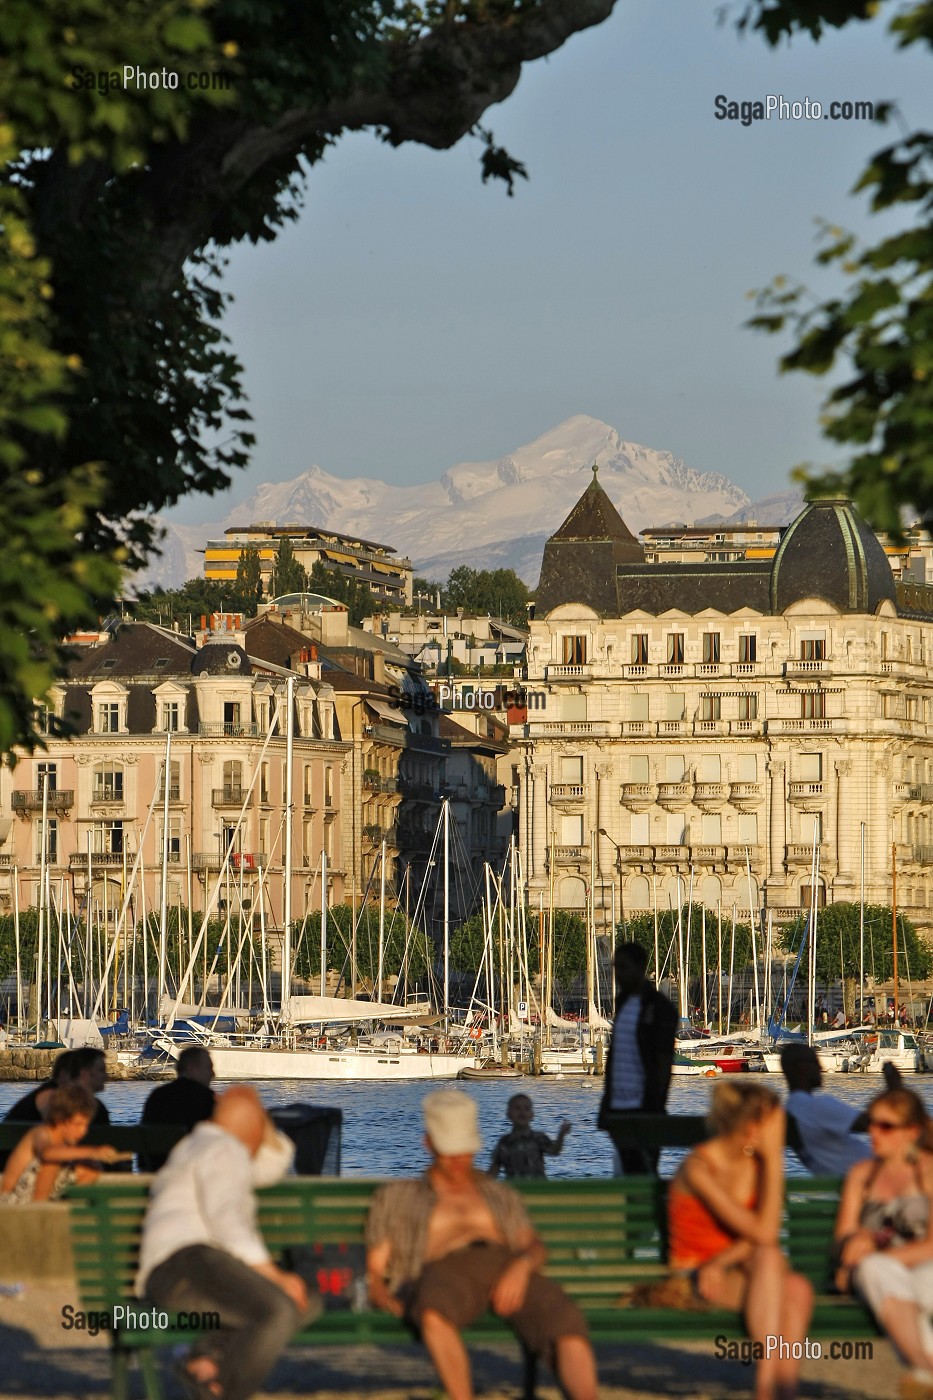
[(618, 851)]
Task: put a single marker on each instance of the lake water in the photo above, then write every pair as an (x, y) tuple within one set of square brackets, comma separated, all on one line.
[(383, 1130)]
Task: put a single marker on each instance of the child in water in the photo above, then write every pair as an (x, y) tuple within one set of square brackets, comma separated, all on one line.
[(522, 1151)]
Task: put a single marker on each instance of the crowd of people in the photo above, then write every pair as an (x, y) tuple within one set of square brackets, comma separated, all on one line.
[(444, 1248)]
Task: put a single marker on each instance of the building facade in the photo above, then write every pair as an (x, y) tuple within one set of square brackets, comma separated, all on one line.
[(387, 575), (140, 695), (707, 725)]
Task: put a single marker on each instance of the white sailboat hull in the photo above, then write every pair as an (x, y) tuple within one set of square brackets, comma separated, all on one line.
[(241, 1062)]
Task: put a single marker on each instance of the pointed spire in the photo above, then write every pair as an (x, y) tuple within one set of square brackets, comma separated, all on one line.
[(594, 484)]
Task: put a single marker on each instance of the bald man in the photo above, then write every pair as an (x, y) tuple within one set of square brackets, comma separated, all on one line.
[(202, 1251)]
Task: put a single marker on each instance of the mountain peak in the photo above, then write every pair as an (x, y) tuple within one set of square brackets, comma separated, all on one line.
[(505, 508)]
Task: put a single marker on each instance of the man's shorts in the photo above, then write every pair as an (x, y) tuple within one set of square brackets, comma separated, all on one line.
[(459, 1288)]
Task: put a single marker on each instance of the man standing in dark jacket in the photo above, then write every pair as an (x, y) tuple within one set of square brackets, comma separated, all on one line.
[(641, 1054)]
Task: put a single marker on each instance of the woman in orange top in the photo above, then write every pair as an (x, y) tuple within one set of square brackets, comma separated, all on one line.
[(724, 1215)]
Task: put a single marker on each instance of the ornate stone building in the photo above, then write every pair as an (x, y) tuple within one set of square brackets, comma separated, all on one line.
[(126, 694), (707, 721)]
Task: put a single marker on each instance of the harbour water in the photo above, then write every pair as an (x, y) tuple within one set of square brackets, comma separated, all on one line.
[(382, 1125)]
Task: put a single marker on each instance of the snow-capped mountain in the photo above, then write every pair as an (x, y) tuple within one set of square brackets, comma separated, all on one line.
[(505, 508)]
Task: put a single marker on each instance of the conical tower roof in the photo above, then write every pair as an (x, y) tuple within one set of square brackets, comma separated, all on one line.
[(580, 558)]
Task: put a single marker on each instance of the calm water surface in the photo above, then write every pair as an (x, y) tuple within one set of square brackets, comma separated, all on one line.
[(382, 1125)]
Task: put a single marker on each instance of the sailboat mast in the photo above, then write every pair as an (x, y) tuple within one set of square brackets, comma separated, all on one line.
[(289, 823), (323, 921), (861, 928), (894, 920), (163, 896), (43, 861), (382, 919), (446, 906)]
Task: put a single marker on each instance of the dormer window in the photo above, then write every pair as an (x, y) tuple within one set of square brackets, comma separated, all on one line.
[(108, 717)]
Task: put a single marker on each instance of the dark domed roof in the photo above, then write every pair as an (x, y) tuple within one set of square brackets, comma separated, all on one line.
[(221, 658), (829, 552)]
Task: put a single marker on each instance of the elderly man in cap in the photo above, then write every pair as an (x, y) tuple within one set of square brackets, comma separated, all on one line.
[(444, 1248)]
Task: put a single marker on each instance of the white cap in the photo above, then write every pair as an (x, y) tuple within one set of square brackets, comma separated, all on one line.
[(450, 1120)]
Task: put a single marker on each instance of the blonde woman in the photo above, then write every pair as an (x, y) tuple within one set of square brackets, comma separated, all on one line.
[(724, 1217), (884, 1232)]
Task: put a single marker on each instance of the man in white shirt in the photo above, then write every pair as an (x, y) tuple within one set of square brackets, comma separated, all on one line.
[(201, 1249), (827, 1126)]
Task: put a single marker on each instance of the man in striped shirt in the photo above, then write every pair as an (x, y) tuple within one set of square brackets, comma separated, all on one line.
[(445, 1248)]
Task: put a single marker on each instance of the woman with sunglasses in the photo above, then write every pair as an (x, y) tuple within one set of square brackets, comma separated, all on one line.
[(724, 1218), (884, 1232)]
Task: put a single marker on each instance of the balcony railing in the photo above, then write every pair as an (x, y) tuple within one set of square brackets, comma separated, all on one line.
[(745, 792), (174, 793), (674, 794), (30, 799), (228, 796), (745, 726), (106, 792), (710, 794), (419, 792), (709, 726), (639, 726), (638, 794), (570, 855), (708, 855), (636, 855), (809, 726), (567, 792), (636, 670), (804, 791), (668, 854), (78, 859), (572, 728), (799, 855), (746, 668), (672, 726), (907, 792), (375, 835), (568, 672), (229, 730), (800, 667)]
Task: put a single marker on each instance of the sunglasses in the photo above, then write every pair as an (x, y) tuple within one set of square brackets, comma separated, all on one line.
[(884, 1125)]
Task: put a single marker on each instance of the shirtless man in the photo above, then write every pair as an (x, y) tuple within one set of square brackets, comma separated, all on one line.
[(444, 1248)]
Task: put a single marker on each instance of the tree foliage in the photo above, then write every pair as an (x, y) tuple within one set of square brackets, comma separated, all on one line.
[(407, 950), (288, 576), (197, 598), (468, 942), (248, 582), (640, 929), (879, 333), (838, 943), (118, 391)]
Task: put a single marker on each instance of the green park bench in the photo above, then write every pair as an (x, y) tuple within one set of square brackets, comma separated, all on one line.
[(603, 1235)]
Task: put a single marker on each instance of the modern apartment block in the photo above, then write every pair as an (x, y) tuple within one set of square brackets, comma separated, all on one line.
[(388, 575), (710, 721)]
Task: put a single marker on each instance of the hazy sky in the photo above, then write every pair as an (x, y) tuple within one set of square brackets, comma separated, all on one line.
[(414, 318)]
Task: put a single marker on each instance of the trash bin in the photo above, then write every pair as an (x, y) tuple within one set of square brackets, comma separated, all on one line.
[(315, 1131)]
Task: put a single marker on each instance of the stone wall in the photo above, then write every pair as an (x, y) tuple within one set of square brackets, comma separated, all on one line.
[(34, 1064)]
